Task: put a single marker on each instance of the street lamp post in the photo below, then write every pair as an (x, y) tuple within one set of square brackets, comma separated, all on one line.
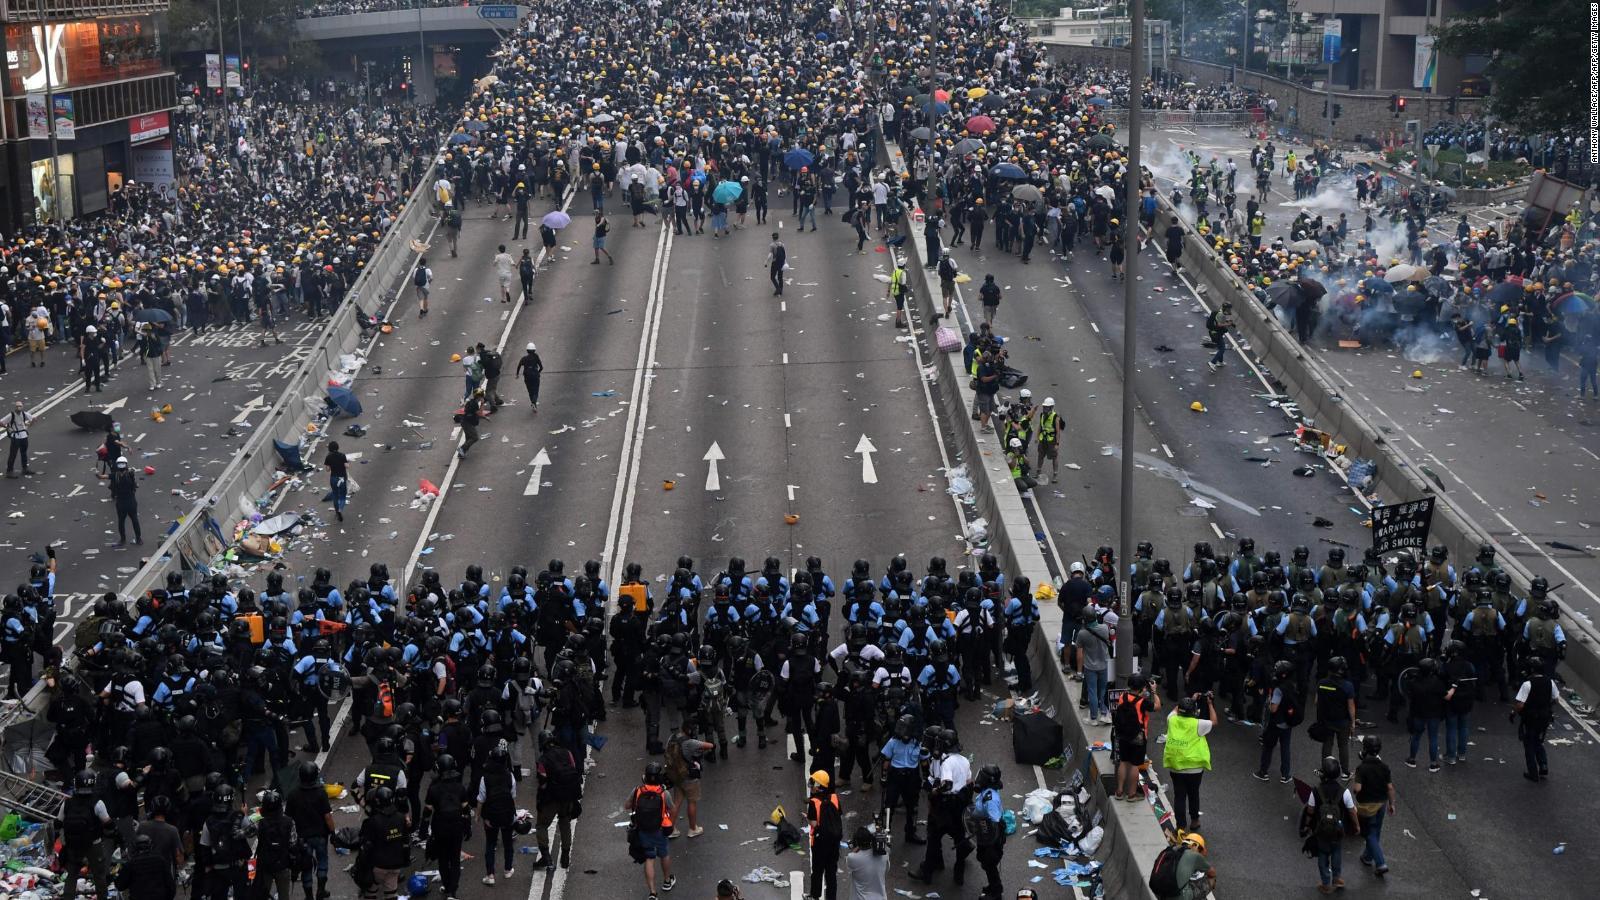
[(222, 71), (50, 116), (1130, 321), (1333, 17)]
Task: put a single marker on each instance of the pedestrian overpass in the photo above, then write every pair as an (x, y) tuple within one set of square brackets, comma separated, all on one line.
[(418, 28)]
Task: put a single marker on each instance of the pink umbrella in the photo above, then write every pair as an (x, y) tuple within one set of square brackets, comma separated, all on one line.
[(980, 125), (942, 95)]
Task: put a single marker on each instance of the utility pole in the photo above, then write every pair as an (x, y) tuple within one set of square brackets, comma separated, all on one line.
[(422, 52), (1130, 342), (222, 73), (1333, 18), (238, 24), (1244, 59)]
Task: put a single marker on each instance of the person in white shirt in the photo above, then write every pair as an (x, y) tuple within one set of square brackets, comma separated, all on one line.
[(880, 200), (505, 270), (948, 775)]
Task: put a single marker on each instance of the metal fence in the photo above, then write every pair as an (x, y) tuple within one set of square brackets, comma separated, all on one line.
[(1183, 118)]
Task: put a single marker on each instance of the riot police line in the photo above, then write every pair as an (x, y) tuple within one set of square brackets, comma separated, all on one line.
[(181, 700)]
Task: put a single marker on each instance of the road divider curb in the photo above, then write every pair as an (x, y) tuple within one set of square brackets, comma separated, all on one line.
[(1131, 842)]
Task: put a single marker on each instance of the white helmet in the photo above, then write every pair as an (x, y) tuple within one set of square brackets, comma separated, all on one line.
[(1076, 567), (90, 329), (1025, 394), (1049, 401), (122, 462), (1016, 443), (531, 346)]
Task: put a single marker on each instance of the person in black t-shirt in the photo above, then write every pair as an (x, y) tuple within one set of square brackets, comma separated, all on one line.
[(338, 478), (308, 806)]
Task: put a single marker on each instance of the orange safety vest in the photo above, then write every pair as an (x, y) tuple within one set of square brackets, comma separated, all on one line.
[(815, 813)]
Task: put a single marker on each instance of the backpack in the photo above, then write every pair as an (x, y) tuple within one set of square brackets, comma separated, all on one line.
[(420, 279), (1164, 874), (1289, 709), (562, 778), (455, 219), (383, 704), (649, 812), (80, 825), (1328, 824), (1125, 722), (636, 191)]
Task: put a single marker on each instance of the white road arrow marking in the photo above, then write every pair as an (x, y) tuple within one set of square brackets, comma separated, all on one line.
[(539, 462), (791, 492), (713, 480), (256, 403), (115, 404), (869, 473)]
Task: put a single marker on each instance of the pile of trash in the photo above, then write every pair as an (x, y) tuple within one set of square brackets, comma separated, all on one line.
[(1071, 834), (26, 855)]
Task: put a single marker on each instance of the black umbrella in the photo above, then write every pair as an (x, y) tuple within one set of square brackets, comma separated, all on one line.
[(991, 101), (152, 314), (1313, 288), (921, 133), (1100, 141), (1287, 294), (91, 420)]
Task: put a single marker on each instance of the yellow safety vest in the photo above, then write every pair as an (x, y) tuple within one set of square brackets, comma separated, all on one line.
[(1186, 748)]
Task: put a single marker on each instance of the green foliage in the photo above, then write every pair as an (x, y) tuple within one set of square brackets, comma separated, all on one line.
[(1536, 52)]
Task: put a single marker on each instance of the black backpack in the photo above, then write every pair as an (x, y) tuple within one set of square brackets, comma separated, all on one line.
[(563, 781), (420, 279), (80, 825), (1289, 708), (1125, 722), (1164, 874), (1328, 827), (648, 810)]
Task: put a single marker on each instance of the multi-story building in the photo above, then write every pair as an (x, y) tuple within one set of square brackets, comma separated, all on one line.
[(1387, 46), (88, 98)]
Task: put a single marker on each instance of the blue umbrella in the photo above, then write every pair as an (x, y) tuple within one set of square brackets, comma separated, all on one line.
[(1376, 285), (344, 402), (460, 137), (556, 219), (797, 158), (1099, 101), (1573, 302), (1008, 170), (727, 192), (822, 35), (475, 125)]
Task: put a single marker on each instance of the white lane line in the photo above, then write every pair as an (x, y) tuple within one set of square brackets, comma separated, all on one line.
[(787, 422), (76, 490), (786, 359), (1220, 535), (783, 306), (618, 526), (791, 488), (187, 397), (140, 438), (1167, 450), (1588, 451), (1095, 327)]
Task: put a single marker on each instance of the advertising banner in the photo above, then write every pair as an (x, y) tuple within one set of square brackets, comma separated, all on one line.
[(1332, 35)]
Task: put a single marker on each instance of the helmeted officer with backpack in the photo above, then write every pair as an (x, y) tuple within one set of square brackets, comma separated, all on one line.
[(560, 797)]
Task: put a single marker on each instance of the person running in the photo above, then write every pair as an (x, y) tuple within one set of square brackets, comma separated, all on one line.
[(602, 227), (530, 367), (504, 271)]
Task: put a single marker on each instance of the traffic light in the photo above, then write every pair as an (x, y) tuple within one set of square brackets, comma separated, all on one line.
[(1452, 105), (1324, 109), (1399, 106), (1394, 103), (1338, 110)]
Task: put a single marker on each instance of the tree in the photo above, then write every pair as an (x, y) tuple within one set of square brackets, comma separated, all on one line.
[(1536, 51)]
